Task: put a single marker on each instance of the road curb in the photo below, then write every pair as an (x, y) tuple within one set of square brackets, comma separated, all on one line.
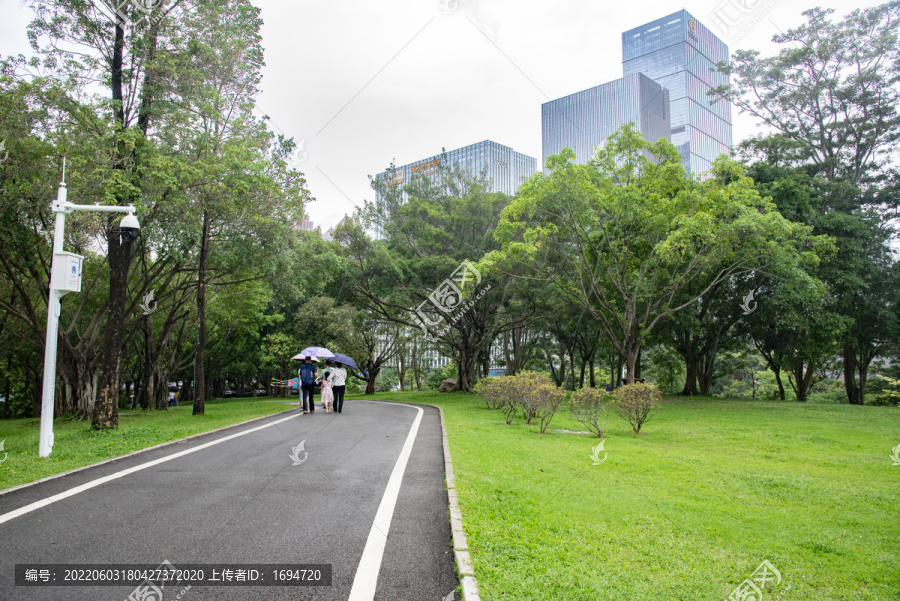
[(139, 451), (460, 544)]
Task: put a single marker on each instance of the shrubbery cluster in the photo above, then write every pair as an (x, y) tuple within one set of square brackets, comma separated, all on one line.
[(539, 398), (535, 394)]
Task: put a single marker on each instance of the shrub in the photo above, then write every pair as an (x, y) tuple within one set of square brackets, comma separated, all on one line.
[(491, 390), (634, 403), (523, 388), (499, 393), (535, 393), (508, 406), (548, 398), (589, 408)]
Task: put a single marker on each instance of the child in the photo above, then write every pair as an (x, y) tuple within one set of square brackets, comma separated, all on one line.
[(327, 372), (327, 395)]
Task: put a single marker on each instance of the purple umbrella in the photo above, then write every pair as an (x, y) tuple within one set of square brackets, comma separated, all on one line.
[(345, 360), (314, 351)]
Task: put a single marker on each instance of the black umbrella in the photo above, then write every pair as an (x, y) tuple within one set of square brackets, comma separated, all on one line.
[(345, 360)]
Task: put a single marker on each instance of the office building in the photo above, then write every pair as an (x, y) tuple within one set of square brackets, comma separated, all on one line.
[(677, 54), (504, 168), (680, 54), (583, 120)]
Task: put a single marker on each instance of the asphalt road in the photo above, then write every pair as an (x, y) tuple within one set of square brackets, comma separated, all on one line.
[(244, 501)]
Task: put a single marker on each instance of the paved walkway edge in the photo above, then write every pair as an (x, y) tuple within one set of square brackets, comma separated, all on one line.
[(460, 545), (139, 451)]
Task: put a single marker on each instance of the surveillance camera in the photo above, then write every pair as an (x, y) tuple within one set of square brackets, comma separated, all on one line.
[(129, 228)]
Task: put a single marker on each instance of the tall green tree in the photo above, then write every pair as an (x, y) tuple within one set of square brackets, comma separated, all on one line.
[(87, 46), (429, 229), (626, 236), (831, 96)]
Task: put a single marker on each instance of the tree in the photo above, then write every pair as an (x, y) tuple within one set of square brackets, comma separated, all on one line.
[(831, 91), (89, 46), (624, 236), (831, 97), (446, 221)]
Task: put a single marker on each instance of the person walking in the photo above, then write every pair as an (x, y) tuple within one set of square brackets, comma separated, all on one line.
[(327, 372), (327, 393), (339, 385), (307, 376)]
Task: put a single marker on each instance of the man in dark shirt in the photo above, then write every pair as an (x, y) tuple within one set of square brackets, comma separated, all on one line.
[(307, 375)]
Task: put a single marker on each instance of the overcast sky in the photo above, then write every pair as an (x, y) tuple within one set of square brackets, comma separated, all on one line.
[(360, 83)]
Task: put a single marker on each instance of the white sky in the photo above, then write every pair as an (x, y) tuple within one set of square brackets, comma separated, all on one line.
[(361, 83)]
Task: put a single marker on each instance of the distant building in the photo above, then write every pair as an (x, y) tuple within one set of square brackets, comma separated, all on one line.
[(680, 54), (583, 120), (669, 68), (306, 224), (505, 168), (329, 233)]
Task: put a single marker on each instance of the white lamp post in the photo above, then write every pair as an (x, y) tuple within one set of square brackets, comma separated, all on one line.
[(65, 277)]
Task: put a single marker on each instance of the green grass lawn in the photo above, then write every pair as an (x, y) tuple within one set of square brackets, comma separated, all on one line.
[(76, 444), (687, 510)]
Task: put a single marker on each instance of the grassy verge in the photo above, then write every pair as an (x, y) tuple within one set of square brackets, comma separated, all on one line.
[(76, 444), (687, 510)]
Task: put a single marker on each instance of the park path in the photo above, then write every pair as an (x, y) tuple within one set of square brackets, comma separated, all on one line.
[(244, 501)]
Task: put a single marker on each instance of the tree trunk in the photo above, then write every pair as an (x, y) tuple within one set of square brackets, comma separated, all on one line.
[(416, 363), (559, 377), (706, 367), (466, 371), (777, 373), (803, 378), (581, 376), (200, 377), (149, 363), (865, 360), (850, 368), (160, 398), (572, 366), (510, 367), (685, 348), (401, 372), (632, 358), (593, 377), (106, 408), (371, 376), (637, 364), (33, 382)]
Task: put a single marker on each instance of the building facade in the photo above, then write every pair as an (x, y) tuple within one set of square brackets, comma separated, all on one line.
[(680, 54), (583, 120), (669, 69), (504, 168)]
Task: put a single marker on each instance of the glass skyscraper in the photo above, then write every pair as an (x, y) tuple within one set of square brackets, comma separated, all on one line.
[(680, 54), (669, 68), (583, 120), (505, 168)]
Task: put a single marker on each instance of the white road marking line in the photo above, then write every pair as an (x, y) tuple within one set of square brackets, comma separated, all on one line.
[(366, 579), (94, 483)]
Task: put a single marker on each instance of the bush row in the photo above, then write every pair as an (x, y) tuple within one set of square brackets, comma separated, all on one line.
[(538, 398)]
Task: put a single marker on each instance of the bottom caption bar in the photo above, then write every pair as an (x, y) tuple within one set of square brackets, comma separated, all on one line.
[(168, 574)]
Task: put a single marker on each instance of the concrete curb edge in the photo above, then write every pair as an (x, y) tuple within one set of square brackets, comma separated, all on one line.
[(460, 544)]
